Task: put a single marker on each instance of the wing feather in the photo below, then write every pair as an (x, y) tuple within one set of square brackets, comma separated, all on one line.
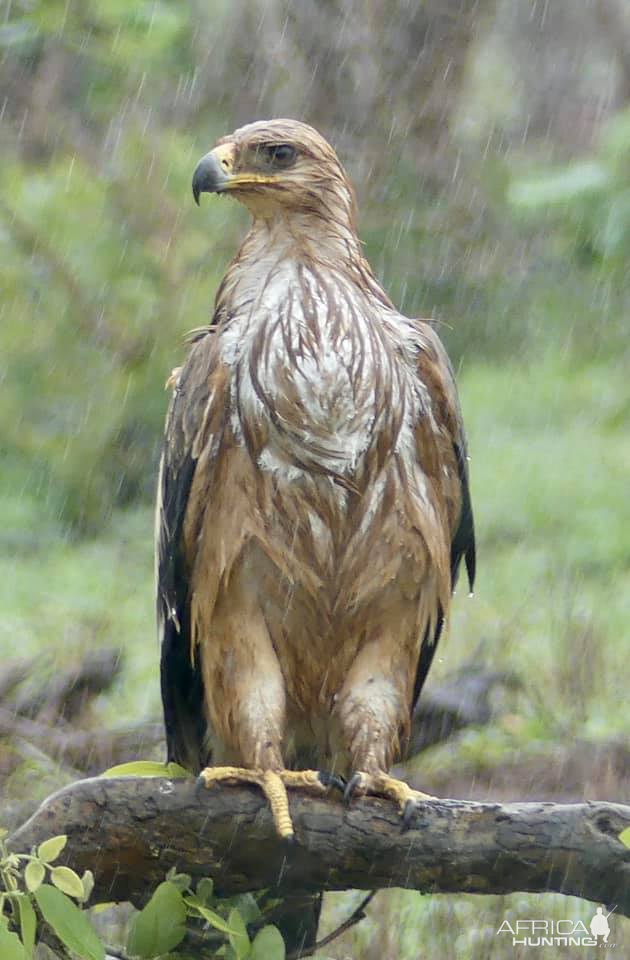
[(182, 688), (450, 479), (436, 373)]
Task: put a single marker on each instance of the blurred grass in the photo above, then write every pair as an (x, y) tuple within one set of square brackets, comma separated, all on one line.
[(61, 598), (405, 924)]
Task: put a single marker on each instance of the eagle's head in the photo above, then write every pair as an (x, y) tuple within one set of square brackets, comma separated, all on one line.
[(279, 168)]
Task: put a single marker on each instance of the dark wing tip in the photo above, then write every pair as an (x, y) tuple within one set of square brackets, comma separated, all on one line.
[(471, 564)]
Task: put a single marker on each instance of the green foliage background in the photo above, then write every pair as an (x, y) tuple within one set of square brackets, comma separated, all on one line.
[(105, 264)]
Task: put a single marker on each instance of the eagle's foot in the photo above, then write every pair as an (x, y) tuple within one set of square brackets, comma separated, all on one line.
[(316, 781), (331, 781), (382, 785), (273, 784)]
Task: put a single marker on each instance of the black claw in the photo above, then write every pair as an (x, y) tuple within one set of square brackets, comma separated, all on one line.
[(408, 813), (331, 781), (289, 843), (351, 786)]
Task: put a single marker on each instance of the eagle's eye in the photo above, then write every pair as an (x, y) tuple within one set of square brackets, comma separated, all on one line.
[(283, 155), (279, 154)]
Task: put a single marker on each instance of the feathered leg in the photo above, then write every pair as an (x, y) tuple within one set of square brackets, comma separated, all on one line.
[(245, 705), (373, 710)]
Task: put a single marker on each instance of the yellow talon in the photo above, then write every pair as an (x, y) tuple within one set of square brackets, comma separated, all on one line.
[(212, 775), (274, 786), (382, 785), (276, 793)]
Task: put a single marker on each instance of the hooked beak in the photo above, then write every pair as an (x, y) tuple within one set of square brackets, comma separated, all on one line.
[(214, 171)]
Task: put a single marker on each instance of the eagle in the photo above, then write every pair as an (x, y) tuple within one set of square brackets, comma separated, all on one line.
[(313, 504)]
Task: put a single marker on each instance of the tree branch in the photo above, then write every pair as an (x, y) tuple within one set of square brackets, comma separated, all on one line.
[(131, 831), (88, 751)]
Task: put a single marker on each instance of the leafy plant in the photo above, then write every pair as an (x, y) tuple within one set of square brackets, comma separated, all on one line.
[(147, 768), (37, 894), (590, 198), (161, 924), (624, 837), (34, 889)]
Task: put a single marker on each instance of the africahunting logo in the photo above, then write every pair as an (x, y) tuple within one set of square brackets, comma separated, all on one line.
[(560, 933)]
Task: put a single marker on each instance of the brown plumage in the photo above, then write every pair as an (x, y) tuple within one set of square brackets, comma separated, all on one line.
[(313, 505)]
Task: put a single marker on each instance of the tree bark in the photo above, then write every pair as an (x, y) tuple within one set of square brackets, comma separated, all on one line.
[(130, 832)]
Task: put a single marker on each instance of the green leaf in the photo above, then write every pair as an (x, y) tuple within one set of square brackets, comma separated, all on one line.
[(268, 945), (102, 907), (69, 924), (148, 768), (49, 850), (28, 922), (238, 935), (624, 836), (177, 772), (208, 915), (182, 881), (67, 881), (161, 925), (247, 906), (34, 875), (87, 882), (205, 889), (560, 187), (11, 947)]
